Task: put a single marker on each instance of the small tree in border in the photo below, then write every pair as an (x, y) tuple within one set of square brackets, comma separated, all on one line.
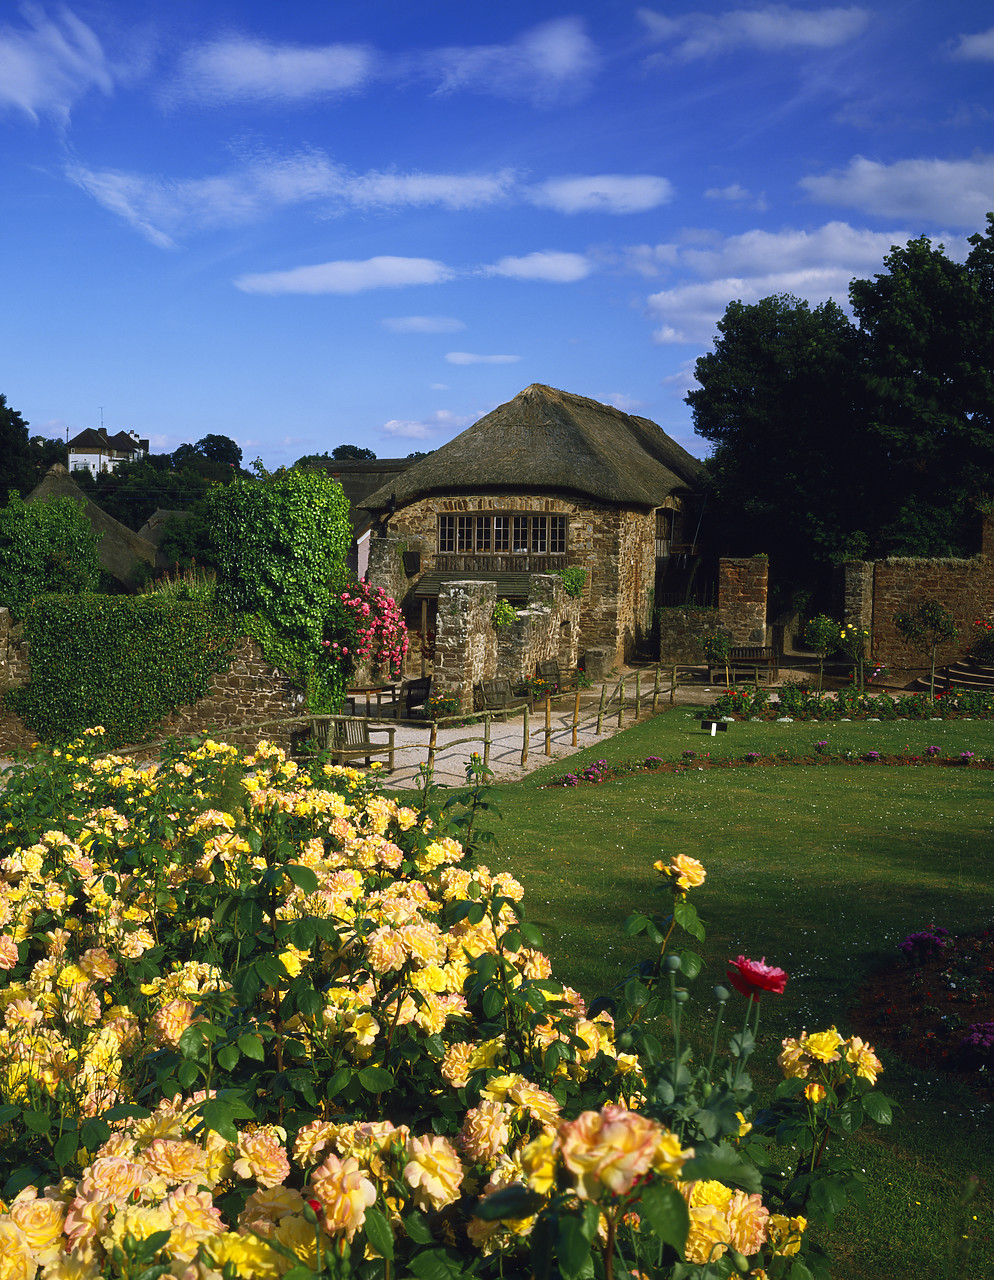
[(715, 645), (852, 642), (927, 625), (820, 635)]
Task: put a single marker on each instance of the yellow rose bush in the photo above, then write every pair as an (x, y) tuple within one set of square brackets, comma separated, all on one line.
[(257, 1018)]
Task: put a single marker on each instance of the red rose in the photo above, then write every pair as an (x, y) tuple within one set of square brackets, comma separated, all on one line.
[(753, 977)]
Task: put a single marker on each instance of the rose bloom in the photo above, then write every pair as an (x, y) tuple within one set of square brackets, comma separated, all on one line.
[(747, 1218), (344, 1193), (172, 1020), (177, 1161), (784, 1234), (753, 977), (267, 1206), (823, 1045), (98, 964), (41, 1220), (8, 951), (111, 1178), (815, 1092), (434, 1171), (793, 1060), (686, 873), (249, 1256), (484, 1133), (866, 1062), (16, 1261), (193, 1216), (261, 1156), (609, 1148)]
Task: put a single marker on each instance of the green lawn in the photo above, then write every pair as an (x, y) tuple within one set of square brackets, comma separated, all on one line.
[(821, 870)]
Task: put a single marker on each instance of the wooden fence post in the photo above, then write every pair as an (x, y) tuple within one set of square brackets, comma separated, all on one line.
[(576, 713), (524, 741), (621, 702), (638, 694), (432, 742), (673, 687), (655, 692), (548, 724), (600, 709), (486, 742)]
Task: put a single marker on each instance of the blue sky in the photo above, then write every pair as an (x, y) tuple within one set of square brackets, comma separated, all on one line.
[(372, 221)]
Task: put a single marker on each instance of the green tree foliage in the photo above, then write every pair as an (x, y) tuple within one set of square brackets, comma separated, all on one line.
[(926, 625), (835, 440), (352, 453), (136, 490), (45, 546), (46, 453), (212, 448), (16, 470), (280, 543)]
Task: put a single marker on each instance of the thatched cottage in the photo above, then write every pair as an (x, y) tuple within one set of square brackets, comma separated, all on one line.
[(547, 481)]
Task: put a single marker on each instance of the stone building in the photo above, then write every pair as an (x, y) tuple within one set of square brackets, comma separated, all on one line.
[(545, 482)]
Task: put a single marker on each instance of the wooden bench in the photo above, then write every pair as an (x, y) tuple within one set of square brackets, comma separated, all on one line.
[(387, 696), (556, 680), (746, 658), (498, 696), (415, 694), (350, 740)]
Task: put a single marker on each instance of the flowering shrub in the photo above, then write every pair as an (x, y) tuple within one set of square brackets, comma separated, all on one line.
[(924, 944), (801, 703), (260, 1019), (377, 631), (442, 704), (982, 645)]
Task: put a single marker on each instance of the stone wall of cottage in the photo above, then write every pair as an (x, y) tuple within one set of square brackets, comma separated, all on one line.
[(466, 640), (249, 692), (616, 547), (742, 589), (876, 591), (548, 627), (680, 630)]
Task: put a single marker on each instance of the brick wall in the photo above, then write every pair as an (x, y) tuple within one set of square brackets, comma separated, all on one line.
[(742, 585), (679, 630), (616, 547), (964, 587)]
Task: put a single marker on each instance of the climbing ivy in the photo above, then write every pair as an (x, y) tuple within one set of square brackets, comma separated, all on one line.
[(123, 662), (280, 542), (45, 546)]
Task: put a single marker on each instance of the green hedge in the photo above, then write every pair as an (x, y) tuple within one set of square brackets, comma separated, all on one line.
[(123, 662)]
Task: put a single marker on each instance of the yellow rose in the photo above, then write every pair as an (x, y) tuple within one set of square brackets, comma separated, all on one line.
[(823, 1045), (41, 1220)]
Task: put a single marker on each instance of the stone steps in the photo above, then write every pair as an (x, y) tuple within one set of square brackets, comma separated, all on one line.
[(961, 675)]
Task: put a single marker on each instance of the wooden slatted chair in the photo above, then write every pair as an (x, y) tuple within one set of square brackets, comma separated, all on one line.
[(351, 740)]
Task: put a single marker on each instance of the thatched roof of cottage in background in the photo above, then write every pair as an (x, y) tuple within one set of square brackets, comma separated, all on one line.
[(121, 551), (552, 441), (154, 528)]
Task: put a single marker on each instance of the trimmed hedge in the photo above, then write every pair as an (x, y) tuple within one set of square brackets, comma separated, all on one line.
[(123, 662)]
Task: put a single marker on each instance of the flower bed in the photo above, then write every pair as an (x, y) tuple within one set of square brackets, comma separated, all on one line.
[(797, 702), (934, 1006), (261, 1020)]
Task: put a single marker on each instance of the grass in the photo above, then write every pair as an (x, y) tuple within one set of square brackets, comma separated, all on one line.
[(822, 870)]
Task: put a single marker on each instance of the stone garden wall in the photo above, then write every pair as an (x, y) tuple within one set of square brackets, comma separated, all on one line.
[(742, 589), (679, 630)]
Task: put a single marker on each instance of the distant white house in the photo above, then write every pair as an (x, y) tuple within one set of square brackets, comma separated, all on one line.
[(95, 451)]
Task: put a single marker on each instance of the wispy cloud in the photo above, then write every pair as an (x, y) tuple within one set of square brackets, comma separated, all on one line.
[(469, 357), (422, 324), (165, 210), (978, 47), (815, 266), (770, 28), (347, 277), (46, 66), (604, 193), (549, 264), (950, 192), (437, 422), (247, 70), (736, 194), (543, 65)]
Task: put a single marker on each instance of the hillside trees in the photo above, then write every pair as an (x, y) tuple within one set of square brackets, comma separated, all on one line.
[(835, 439), (16, 471)]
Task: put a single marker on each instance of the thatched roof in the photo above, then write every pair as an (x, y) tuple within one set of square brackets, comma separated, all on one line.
[(552, 441), (121, 551)]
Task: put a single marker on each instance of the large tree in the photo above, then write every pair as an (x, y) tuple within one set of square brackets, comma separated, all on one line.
[(834, 439), (16, 470)]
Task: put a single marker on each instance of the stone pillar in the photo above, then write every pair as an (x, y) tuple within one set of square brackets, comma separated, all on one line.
[(466, 639), (987, 537), (857, 599), (742, 585)]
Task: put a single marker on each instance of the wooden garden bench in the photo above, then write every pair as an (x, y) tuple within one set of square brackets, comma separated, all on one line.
[(557, 681), (414, 694), (350, 740), (747, 658), (498, 696)]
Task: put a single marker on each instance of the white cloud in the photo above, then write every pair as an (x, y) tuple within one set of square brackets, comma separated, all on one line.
[(543, 65), (771, 28), (604, 193), (626, 403), (347, 277), (956, 192), (422, 324), (978, 47), (736, 194), (815, 266), (467, 357), (163, 209), (439, 421), (46, 66), (440, 386), (241, 69), (647, 259), (551, 265)]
